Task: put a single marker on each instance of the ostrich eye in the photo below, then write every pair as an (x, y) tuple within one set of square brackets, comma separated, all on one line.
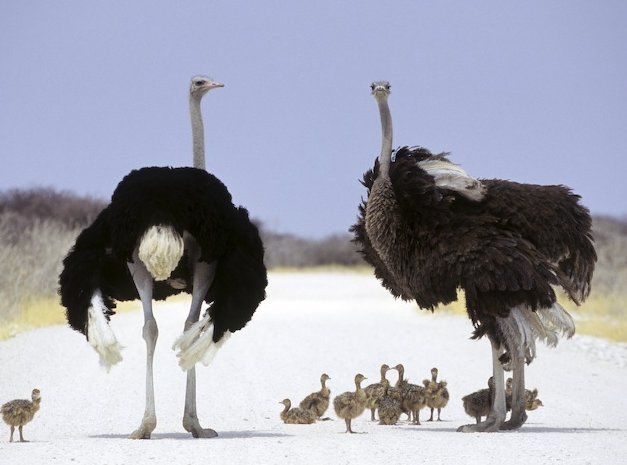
[(200, 83), (372, 86), (388, 87)]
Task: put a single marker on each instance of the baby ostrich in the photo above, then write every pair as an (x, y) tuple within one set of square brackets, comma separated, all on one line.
[(437, 397), (318, 402), (375, 391), (20, 411), (399, 390), (414, 400), (350, 405), (437, 394), (389, 409), (531, 397), (478, 403), (296, 416)]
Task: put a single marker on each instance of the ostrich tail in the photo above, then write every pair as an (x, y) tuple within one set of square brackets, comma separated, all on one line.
[(161, 249), (100, 335), (197, 345), (557, 319)]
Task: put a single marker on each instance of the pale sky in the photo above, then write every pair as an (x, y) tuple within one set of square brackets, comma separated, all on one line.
[(530, 91)]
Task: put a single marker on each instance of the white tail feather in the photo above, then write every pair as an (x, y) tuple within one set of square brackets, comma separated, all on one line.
[(544, 334), (196, 344), (160, 250), (100, 335), (558, 319), (523, 326)]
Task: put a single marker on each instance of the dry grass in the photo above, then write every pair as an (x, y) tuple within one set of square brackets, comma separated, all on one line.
[(602, 315), (42, 312), (361, 269)]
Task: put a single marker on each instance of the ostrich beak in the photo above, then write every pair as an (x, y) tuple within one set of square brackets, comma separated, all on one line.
[(214, 85)]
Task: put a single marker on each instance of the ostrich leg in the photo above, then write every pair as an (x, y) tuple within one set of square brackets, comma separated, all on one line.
[(12, 431), (519, 415), (497, 412), (143, 283), (203, 277)]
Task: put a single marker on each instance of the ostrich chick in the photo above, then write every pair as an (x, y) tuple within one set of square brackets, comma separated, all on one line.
[(478, 403), (400, 388), (350, 405), (374, 392), (318, 402), (19, 412), (437, 394), (296, 416), (531, 397), (389, 408), (414, 400)]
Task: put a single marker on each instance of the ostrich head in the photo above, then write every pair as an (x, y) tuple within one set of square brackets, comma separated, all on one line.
[(324, 377), (286, 402), (384, 369), (36, 394), (380, 89), (200, 85), (359, 378), (434, 372)]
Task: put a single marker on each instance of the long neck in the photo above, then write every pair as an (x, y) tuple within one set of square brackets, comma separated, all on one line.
[(386, 143), (198, 132), (357, 386), (434, 377), (324, 392), (383, 378)]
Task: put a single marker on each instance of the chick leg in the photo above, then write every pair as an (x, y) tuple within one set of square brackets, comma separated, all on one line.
[(144, 284), (431, 417), (518, 416), (417, 417), (439, 410), (348, 425), (497, 412), (203, 277), (372, 418), (21, 437), (12, 430)]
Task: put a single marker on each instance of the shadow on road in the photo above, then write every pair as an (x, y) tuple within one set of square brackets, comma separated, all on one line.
[(188, 436), (532, 429)]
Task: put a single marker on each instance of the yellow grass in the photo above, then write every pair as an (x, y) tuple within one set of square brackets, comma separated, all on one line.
[(42, 312), (601, 315), (324, 269)]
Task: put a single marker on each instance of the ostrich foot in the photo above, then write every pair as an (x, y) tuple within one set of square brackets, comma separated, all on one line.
[(515, 422), (144, 431), (491, 425), (193, 426)]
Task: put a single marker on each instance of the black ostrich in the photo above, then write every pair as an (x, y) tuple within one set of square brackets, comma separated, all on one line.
[(166, 231), (429, 229)]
